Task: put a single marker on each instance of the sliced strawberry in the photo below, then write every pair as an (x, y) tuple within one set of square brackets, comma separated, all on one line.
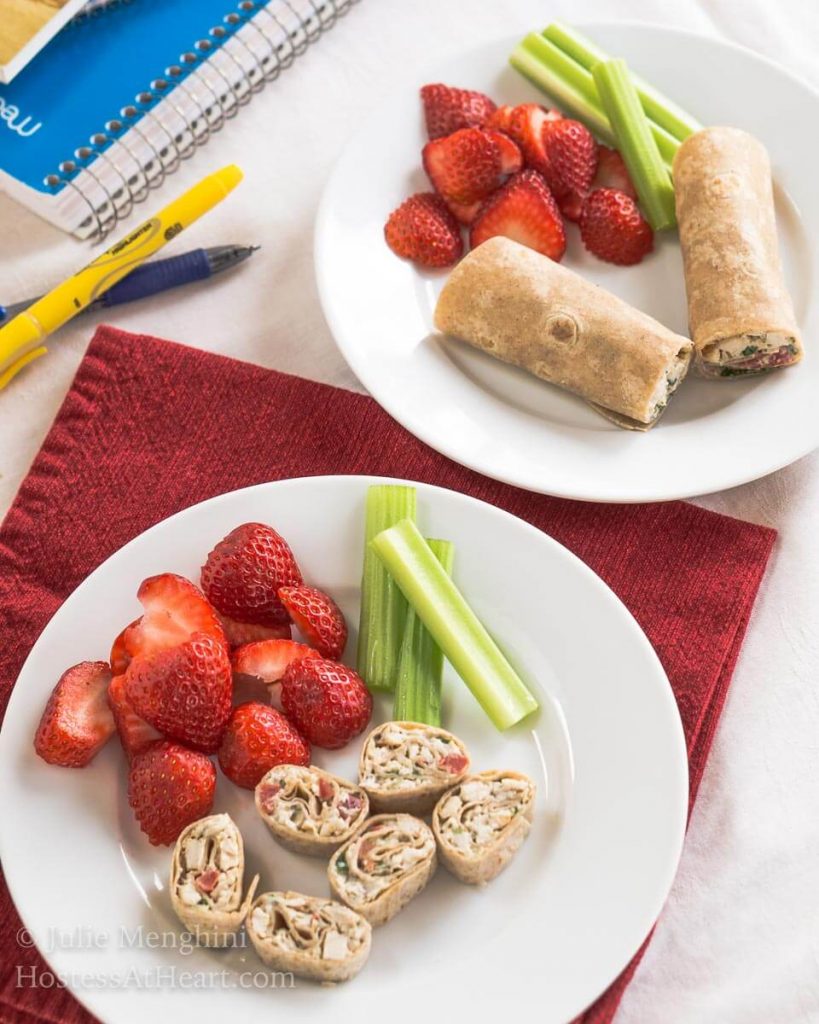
[(119, 657), (77, 721), (613, 228), (525, 211), (500, 119), (318, 618), (185, 691), (135, 734), (169, 787), (175, 608), (511, 158), (464, 213), (571, 153), (424, 230), (612, 172), (525, 125), (268, 659), (447, 109), (238, 633), (466, 165)]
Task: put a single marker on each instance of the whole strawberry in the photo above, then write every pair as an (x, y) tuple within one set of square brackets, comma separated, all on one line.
[(447, 109), (327, 702), (525, 211), (257, 739), (170, 786), (318, 618), (76, 721), (175, 608), (185, 691), (243, 573), (424, 230), (613, 228)]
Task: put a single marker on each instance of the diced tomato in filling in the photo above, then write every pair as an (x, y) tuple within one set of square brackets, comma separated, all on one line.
[(268, 796), (453, 763), (206, 882), (325, 790)]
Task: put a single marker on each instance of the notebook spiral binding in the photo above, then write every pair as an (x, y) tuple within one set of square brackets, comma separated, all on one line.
[(182, 109)]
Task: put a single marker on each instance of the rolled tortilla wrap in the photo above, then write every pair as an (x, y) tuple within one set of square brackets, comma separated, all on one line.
[(207, 874), (309, 936), (309, 810), (406, 766), (481, 823), (385, 865), (739, 310), (525, 309)]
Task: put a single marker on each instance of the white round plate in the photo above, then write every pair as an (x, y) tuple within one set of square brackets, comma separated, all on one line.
[(558, 924), (495, 418)]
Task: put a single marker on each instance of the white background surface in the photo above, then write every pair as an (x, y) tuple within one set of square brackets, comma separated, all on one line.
[(738, 940)]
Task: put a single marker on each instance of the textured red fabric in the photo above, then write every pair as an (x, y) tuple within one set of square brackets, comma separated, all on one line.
[(150, 427)]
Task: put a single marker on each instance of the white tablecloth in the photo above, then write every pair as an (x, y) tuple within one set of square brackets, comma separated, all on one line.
[(738, 940)]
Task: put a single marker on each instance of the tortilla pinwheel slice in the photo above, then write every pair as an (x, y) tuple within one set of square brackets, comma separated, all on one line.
[(385, 865), (406, 766), (482, 822), (309, 810), (309, 936), (207, 875)]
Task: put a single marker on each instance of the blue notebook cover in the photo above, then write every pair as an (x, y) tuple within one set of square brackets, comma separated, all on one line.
[(91, 71)]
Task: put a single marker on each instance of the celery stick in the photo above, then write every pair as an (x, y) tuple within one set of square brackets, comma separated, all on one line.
[(574, 90), (636, 143), (454, 626), (421, 663), (383, 607), (658, 108), (571, 87)]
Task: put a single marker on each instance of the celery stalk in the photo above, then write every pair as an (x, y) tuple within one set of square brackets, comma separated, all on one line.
[(454, 626), (573, 88), (636, 143), (383, 607), (421, 663), (673, 120)]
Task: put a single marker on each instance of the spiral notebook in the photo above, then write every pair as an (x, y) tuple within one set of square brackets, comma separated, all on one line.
[(118, 99)]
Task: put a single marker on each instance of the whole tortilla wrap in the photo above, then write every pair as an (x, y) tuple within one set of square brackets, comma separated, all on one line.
[(739, 311), (525, 309)]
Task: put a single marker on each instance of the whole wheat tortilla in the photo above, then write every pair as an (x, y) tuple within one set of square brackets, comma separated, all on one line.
[(525, 309), (738, 302)]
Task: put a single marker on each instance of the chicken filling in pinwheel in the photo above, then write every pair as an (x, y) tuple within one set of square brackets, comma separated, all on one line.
[(210, 869), (397, 758), (308, 802), (476, 812), (317, 927), (382, 854)]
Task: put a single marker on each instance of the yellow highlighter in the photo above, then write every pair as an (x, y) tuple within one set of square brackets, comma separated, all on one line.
[(21, 340)]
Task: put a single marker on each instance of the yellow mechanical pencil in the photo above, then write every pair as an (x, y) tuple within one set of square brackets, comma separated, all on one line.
[(21, 340)]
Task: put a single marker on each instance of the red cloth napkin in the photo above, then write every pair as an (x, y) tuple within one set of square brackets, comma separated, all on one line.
[(150, 427)]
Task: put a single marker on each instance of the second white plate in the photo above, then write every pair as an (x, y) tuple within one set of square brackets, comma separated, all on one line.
[(497, 419)]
